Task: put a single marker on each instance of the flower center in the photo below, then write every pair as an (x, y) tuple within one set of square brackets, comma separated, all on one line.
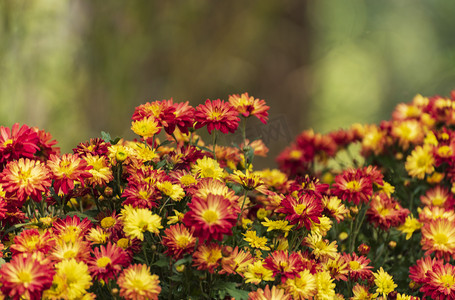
[(123, 243), (299, 208), (207, 172), (353, 186), (438, 201), (215, 115), (295, 154), (7, 142), (187, 180), (183, 241), (24, 277), (103, 261), (210, 216), (447, 280), (107, 222), (440, 238), (354, 265)]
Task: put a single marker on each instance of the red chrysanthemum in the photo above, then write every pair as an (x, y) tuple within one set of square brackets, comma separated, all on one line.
[(440, 282), (418, 272), (107, 262), (66, 170), (17, 143), (217, 114), (249, 106), (24, 177), (285, 264), (71, 228), (184, 116), (302, 210), (26, 277), (46, 144), (32, 241), (162, 111), (178, 240), (358, 266), (386, 212), (353, 186), (141, 195), (438, 236), (211, 218), (207, 257), (95, 146)]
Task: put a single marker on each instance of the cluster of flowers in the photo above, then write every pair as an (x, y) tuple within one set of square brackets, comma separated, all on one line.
[(168, 216)]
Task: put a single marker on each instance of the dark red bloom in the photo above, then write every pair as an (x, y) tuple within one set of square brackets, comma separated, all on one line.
[(217, 114)]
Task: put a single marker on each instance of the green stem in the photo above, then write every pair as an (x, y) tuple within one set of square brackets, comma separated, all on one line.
[(215, 135)]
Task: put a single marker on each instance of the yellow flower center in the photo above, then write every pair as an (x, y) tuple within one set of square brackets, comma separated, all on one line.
[(354, 265), (107, 222), (182, 241), (383, 211), (210, 216), (7, 142), (295, 154), (69, 254), (299, 208), (207, 172), (31, 243), (144, 194), (353, 186), (123, 243), (215, 115), (121, 156), (24, 277), (187, 180), (445, 151), (447, 280), (103, 261), (437, 201), (440, 238)]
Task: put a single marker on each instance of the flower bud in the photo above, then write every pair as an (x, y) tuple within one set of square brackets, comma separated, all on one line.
[(392, 244), (364, 249)]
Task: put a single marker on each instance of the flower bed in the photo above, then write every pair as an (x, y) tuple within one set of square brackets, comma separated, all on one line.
[(361, 213)]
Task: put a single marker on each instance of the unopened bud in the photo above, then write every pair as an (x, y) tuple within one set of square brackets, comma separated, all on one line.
[(364, 249), (392, 244)]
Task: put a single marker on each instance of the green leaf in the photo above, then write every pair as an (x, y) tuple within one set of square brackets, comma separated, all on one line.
[(176, 278), (80, 215), (106, 136), (231, 289)]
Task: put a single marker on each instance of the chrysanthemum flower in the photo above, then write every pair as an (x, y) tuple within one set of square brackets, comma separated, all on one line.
[(71, 228), (211, 218), (420, 162), (358, 266), (438, 236), (98, 236), (217, 114), (288, 265), (94, 146), (207, 257), (24, 277), (66, 170), (374, 139), (322, 249), (184, 116), (249, 106), (207, 167), (78, 250), (248, 180), (236, 262), (31, 241), (142, 195), (429, 213), (146, 127), (322, 227), (136, 221), (326, 286), (269, 294), (301, 210), (438, 196), (361, 292), (440, 282), (418, 272), (302, 286), (46, 145), (273, 178), (386, 212), (178, 240), (353, 186), (256, 241), (100, 170), (257, 273), (280, 225), (17, 143), (408, 132), (335, 208), (163, 111), (136, 282), (384, 282), (71, 281), (174, 191), (25, 178), (107, 262), (410, 225)]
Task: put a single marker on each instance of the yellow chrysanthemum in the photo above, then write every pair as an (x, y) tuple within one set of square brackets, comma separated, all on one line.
[(71, 281), (174, 191), (146, 127), (281, 225), (136, 221), (207, 167), (384, 282), (303, 286), (326, 287), (257, 273), (321, 248), (420, 162), (255, 241), (410, 225), (177, 217), (101, 172), (119, 152), (136, 282), (98, 236), (142, 152), (322, 227)]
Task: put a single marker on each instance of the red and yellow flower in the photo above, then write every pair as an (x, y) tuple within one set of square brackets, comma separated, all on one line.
[(217, 114)]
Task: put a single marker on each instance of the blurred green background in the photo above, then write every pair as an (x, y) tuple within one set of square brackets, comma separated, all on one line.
[(76, 68)]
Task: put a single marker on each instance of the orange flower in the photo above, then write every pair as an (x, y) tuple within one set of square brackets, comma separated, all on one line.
[(178, 240), (17, 143), (438, 196), (285, 264), (31, 241), (358, 266), (211, 218), (236, 262), (440, 282), (386, 212), (269, 294), (107, 262), (353, 186), (438, 236), (26, 277), (217, 114), (302, 210), (25, 177), (249, 106), (207, 257), (67, 170), (418, 272)]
